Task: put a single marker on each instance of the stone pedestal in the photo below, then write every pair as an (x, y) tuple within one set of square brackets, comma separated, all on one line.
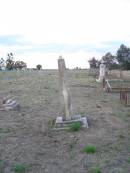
[(64, 124)]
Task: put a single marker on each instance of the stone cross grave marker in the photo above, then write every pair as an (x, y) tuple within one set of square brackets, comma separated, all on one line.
[(102, 72), (64, 89)]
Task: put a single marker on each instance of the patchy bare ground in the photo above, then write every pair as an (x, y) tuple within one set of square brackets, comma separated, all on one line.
[(25, 137)]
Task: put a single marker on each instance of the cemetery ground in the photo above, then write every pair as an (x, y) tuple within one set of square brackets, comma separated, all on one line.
[(28, 143)]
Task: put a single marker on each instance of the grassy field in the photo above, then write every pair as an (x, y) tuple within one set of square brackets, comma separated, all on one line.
[(27, 144)]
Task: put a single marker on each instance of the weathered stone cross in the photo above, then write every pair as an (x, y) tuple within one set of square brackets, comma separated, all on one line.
[(65, 89), (102, 72)]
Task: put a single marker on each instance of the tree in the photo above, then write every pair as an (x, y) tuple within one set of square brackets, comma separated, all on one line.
[(20, 65), (123, 57), (94, 63), (2, 63), (110, 61), (10, 62), (39, 67)]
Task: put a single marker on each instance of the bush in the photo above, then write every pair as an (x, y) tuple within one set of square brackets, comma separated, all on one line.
[(39, 67), (96, 170), (75, 126), (89, 149), (129, 160), (19, 168)]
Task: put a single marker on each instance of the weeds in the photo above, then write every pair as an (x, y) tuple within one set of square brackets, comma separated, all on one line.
[(2, 130), (19, 168), (75, 127), (128, 115), (129, 160), (121, 136), (89, 149), (96, 170), (51, 123), (71, 149), (1, 166), (46, 87)]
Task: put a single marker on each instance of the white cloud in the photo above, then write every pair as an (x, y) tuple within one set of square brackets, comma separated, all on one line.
[(66, 21)]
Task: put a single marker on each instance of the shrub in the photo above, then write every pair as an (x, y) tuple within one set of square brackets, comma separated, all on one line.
[(129, 160), (96, 170), (75, 126), (89, 149), (39, 67), (19, 168)]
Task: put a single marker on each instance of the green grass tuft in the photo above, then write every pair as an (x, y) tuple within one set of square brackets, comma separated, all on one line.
[(96, 170), (129, 160), (1, 166), (19, 168), (75, 127), (89, 149), (127, 114), (5, 130), (51, 123)]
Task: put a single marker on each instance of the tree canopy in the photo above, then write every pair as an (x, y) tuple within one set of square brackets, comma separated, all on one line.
[(120, 60), (11, 64), (94, 63), (123, 57), (110, 61), (39, 67)]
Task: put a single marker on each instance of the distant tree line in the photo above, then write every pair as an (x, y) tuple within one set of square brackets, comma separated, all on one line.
[(119, 61), (10, 64)]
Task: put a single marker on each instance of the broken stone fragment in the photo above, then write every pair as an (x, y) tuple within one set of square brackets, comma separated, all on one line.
[(10, 104)]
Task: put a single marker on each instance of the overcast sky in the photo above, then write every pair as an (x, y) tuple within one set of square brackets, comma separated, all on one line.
[(38, 31)]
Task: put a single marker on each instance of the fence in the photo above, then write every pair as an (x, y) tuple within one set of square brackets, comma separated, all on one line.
[(117, 85), (125, 97)]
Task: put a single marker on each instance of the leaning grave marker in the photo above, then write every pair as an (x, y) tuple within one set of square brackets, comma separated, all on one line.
[(70, 118)]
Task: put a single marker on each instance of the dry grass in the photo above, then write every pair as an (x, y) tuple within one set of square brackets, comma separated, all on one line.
[(32, 143)]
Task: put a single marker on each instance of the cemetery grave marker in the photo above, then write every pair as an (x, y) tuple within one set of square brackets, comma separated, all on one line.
[(9, 104), (70, 118), (102, 72)]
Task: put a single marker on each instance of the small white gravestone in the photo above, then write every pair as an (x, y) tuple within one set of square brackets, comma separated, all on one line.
[(102, 72)]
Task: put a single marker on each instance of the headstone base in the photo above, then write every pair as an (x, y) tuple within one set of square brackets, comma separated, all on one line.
[(61, 124)]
